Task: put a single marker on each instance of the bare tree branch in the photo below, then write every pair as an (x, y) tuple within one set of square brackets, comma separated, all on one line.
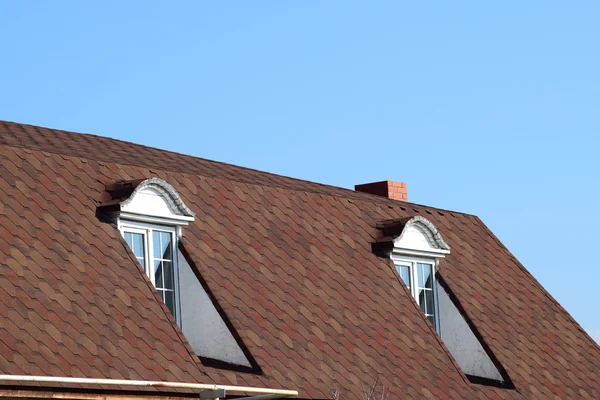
[(369, 392)]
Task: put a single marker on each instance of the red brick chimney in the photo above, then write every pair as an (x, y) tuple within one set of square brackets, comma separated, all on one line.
[(389, 189)]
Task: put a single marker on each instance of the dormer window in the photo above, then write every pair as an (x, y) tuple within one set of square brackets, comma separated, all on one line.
[(154, 247), (418, 274), (150, 215), (415, 246)]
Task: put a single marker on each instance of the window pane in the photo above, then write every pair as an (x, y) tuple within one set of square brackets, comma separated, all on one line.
[(425, 276), (129, 240), (166, 246), (404, 272), (431, 319), (422, 302), (162, 245), (136, 244), (170, 301), (429, 302), (168, 274), (158, 274)]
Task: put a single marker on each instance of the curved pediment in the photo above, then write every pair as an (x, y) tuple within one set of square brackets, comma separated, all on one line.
[(415, 235), (420, 234), (151, 200)]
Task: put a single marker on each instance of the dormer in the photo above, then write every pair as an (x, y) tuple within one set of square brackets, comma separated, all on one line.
[(416, 248), (151, 216)]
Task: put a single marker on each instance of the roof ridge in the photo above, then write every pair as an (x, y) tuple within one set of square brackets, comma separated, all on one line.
[(354, 195), (172, 152)]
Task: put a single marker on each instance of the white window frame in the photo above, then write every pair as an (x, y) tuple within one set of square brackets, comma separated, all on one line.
[(146, 229), (411, 262)]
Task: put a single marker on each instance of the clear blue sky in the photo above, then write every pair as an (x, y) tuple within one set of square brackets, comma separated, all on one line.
[(490, 109)]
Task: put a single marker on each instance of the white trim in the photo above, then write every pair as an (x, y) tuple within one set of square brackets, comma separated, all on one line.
[(402, 257), (438, 324), (174, 220), (124, 382), (421, 253)]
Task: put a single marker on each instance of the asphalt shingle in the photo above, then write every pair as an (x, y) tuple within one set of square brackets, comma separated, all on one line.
[(290, 263)]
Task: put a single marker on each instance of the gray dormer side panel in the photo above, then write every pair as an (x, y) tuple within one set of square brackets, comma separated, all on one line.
[(202, 324), (461, 341)]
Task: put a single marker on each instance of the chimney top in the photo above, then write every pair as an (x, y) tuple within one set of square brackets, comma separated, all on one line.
[(389, 189)]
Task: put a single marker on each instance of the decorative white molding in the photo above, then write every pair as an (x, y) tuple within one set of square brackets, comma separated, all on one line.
[(156, 220), (155, 201), (420, 237), (166, 191)]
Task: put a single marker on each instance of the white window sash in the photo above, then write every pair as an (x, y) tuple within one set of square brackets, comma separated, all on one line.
[(144, 233), (147, 231), (412, 262)]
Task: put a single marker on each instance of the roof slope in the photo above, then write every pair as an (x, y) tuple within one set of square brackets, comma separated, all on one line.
[(289, 261)]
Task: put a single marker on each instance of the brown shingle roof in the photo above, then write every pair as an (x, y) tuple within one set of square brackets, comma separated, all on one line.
[(289, 261)]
